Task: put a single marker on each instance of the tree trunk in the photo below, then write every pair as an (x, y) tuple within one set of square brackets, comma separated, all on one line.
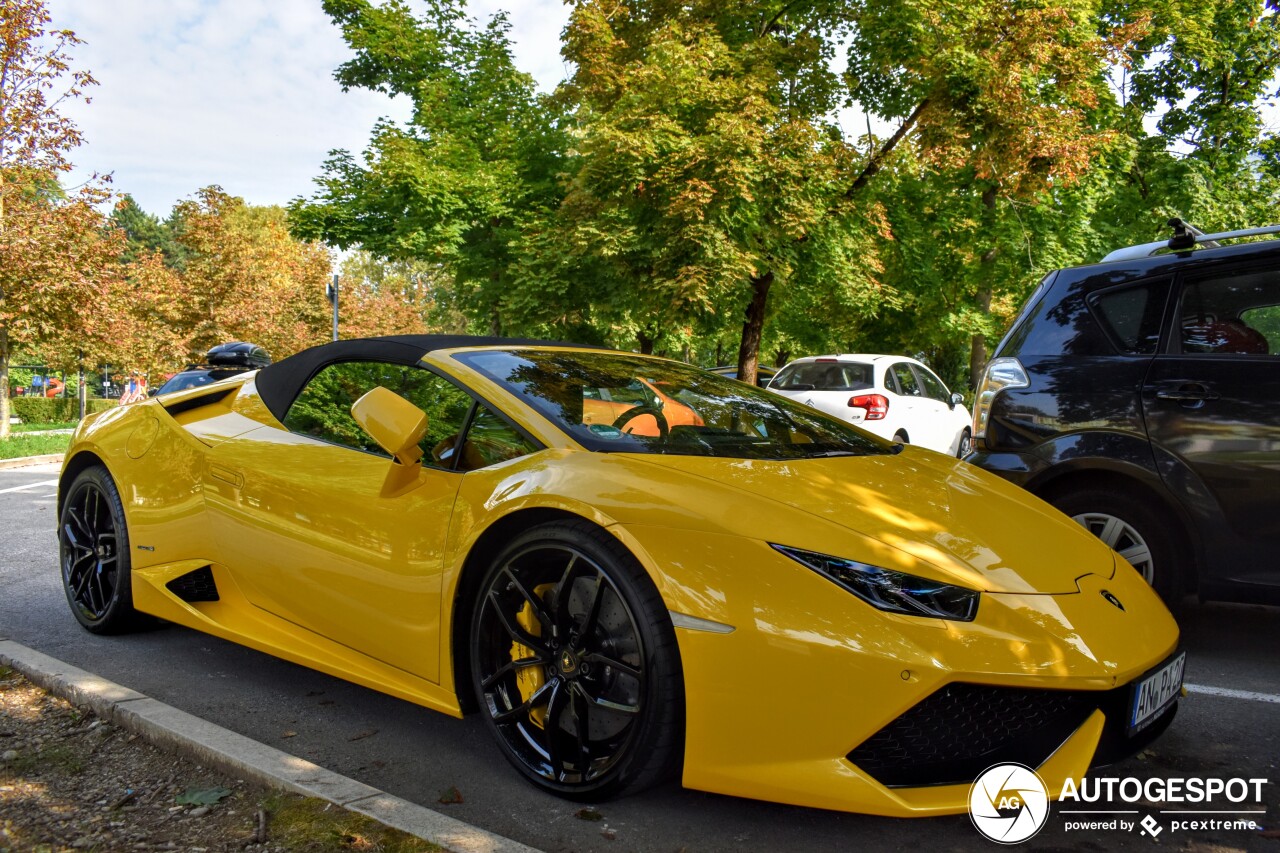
[(645, 342), (753, 328), (4, 337), (4, 377), (782, 357), (82, 394), (978, 343)]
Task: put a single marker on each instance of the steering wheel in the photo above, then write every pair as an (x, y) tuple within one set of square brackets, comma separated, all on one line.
[(636, 411)]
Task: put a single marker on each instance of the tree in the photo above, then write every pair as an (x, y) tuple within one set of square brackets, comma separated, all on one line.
[(52, 263), (144, 232), (246, 278), (476, 162), (711, 171), (392, 298)]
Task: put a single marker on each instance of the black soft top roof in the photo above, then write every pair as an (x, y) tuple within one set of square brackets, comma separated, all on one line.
[(281, 382)]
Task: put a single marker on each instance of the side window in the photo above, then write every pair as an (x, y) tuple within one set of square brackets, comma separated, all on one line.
[(906, 379), (1130, 315), (933, 387), (323, 409), (490, 440), (1231, 315)]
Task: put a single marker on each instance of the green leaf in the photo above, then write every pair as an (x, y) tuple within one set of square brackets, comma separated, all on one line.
[(202, 796)]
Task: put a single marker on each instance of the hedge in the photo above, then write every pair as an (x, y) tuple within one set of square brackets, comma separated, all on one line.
[(54, 410)]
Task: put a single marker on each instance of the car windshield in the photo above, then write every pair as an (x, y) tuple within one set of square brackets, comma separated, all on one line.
[(615, 402), (824, 376)]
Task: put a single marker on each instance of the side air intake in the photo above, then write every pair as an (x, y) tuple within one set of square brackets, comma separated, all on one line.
[(194, 586)]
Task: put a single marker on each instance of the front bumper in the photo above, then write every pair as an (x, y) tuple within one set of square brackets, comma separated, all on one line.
[(777, 708)]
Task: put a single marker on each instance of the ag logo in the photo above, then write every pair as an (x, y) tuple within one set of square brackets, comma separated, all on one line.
[(1008, 803)]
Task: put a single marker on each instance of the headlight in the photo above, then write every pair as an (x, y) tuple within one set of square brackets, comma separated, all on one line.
[(895, 592), (1001, 373)]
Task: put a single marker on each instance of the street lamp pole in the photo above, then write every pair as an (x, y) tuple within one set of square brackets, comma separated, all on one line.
[(332, 293)]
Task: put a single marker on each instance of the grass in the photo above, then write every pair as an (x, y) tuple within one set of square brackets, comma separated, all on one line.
[(314, 826), (57, 757), (41, 427), (33, 445)]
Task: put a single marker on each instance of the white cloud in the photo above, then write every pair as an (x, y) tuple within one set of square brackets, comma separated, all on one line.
[(241, 94)]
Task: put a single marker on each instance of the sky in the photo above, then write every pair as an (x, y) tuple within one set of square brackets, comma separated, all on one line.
[(238, 93)]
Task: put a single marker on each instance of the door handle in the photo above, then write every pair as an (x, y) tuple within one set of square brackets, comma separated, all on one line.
[(226, 475), (1187, 392)]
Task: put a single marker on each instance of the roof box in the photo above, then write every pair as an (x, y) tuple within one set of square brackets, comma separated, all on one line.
[(237, 354)]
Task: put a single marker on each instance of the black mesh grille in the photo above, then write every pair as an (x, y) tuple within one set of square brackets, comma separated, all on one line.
[(195, 586), (962, 729)]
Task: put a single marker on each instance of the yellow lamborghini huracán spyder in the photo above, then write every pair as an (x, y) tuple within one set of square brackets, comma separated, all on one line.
[(629, 566)]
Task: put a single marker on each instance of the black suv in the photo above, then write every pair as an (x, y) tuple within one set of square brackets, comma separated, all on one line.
[(1141, 397)]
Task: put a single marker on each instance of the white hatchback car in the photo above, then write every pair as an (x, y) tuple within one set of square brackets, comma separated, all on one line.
[(892, 396)]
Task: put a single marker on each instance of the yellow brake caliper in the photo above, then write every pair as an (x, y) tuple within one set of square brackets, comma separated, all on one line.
[(529, 679)]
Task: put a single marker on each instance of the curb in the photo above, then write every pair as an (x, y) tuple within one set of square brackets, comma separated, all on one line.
[(23, 461), (245, 758)]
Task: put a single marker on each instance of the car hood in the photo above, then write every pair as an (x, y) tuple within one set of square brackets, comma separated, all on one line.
[(914, 511)]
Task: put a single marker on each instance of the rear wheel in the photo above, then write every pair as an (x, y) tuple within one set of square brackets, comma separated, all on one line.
[(965, 446), (574, 664), (94, 552), (1143, 536), (900, 437)]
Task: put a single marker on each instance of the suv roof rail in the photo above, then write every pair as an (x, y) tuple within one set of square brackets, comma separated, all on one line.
[(1185, 236)]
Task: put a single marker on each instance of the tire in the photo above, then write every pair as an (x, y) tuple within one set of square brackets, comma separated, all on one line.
[(1144, 536), (621, 674), (965, 447), (93, 546), (901, 437)]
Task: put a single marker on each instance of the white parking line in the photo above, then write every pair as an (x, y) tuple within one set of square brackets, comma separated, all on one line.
[(1273, 698), (29, 486)]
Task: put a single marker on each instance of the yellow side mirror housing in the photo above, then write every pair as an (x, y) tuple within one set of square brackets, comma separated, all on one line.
[(398, 427)]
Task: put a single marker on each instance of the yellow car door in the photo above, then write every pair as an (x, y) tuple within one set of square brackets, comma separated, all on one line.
[(303, 526)]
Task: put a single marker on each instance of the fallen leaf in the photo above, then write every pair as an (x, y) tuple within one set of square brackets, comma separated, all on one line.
[(363, 735), (450, 796), (289, 733), (202, 796), (588, 814)]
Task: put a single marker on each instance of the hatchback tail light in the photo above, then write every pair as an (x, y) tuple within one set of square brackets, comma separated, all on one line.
[(877, 405)]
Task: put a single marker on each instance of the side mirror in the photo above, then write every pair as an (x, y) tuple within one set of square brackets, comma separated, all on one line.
[(956, 399), (397, 426)]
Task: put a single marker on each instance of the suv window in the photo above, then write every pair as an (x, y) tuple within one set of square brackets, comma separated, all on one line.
[(1130, 316), (1235, 315), (906, 379), (933, 387), (323, 409)]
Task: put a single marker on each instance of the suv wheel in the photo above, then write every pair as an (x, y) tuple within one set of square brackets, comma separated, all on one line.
[(1143, 536)]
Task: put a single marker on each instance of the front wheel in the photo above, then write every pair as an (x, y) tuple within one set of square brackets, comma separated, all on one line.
[(1143, 536), (94, 552), (965, 446), (574, 664)]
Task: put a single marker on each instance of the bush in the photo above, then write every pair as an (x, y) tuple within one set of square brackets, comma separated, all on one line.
[(53, 410)]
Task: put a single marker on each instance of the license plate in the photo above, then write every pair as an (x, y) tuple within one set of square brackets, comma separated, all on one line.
[(1155, 693)]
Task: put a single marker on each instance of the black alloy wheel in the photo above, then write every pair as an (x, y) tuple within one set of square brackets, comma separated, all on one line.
[(94, 553), (574, 663)]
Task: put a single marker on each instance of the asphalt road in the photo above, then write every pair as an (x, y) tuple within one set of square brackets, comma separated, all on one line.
[(417, 754)]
